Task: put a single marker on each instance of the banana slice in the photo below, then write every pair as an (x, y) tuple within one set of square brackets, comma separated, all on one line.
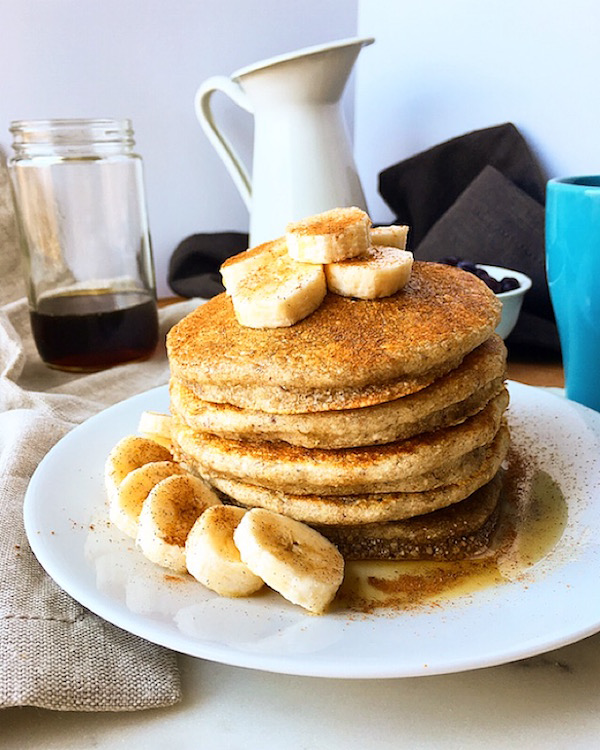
[(167, 516), (128, 454), (392, 236), (124, 510), (278, 293), (236, 269), (330, 236), (156, 426), (290, 557), (212, 557), (379, 272)]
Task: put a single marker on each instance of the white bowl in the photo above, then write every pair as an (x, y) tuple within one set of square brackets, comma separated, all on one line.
[(512, 300)]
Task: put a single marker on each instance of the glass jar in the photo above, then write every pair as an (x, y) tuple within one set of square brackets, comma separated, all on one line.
[(79, 200)]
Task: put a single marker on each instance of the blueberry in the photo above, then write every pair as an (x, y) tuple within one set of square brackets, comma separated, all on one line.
[(482, 274), (508, 283), (490, 281)]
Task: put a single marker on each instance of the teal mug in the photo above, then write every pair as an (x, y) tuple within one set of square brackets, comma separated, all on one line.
[(573, 269)]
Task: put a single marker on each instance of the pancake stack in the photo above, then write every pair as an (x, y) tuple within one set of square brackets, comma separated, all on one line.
[(379, 422)]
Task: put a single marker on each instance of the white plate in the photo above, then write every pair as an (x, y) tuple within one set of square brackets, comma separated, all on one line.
[(554, 604)]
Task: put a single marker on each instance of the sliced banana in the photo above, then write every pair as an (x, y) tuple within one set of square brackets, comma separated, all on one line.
[(212, 557), (236, 269), (278, 293), (380, 272), (330, 236), (290, 557), (156, 426), (124, 510), (128, 454), (167, 516), (393, 236)]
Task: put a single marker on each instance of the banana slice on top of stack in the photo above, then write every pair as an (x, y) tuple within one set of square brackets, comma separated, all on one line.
[(278, 292), (330, 236), (378, 272), (279, 283), (179, 522)]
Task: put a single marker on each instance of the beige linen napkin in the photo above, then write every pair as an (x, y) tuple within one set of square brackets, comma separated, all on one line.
[(54, 653)]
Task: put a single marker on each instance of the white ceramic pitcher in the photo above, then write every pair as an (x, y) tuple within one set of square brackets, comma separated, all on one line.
[(302, 157)]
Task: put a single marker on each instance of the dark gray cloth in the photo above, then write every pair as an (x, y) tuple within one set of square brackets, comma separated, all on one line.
[(495, 222), (423, 187), (480, 197), (194, 265)]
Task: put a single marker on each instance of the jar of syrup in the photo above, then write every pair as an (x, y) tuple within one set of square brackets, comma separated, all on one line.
[(79, 199)]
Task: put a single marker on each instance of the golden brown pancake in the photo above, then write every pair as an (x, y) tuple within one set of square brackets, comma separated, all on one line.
[(460, 531), (290, 468), (348, 353), (374, 507), (449, 400)]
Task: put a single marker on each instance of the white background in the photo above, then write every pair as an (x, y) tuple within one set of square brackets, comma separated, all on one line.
[(439, 68)]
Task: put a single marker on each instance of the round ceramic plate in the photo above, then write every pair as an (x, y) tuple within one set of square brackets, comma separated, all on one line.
[(553, 604)]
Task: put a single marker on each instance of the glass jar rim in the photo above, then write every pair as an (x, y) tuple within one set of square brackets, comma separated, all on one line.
[(70, 122), (71, 133)]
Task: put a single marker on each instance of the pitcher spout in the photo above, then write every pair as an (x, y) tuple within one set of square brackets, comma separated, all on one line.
[(318, 73)]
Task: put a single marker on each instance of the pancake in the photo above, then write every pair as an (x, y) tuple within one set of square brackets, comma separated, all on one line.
[(375, 507), (449, 400), (460, 531), (278, 399), (348, 353), (378, 422), (363, 469)]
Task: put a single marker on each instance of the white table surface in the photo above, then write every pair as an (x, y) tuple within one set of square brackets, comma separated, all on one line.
[(549, 701)]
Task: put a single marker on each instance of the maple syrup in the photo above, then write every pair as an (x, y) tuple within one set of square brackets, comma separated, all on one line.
[(530, 527), (92, 331)]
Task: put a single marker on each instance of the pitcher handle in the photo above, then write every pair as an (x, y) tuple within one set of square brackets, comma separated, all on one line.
[(222, 146)]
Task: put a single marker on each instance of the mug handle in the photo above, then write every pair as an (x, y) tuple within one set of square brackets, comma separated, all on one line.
[(222, 146)]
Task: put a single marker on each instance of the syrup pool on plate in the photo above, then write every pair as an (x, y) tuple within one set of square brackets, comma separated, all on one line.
[(534, 516)]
